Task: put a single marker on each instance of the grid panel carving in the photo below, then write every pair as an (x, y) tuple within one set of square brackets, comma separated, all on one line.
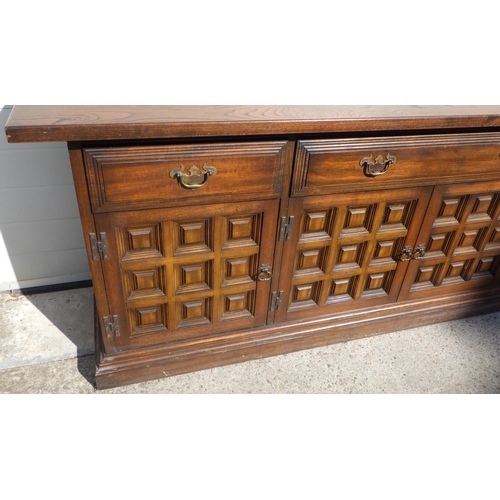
[(464, 243), (349, 253), (184, 274)]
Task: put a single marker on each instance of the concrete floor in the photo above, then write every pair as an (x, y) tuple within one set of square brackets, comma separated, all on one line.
[(47, 344)]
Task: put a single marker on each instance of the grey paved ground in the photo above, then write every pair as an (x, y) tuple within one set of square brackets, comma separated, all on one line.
[(455, 357)]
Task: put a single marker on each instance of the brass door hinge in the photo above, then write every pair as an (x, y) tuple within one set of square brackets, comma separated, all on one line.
[(275, 302), (98, 247), (111, 326), (286, 228)]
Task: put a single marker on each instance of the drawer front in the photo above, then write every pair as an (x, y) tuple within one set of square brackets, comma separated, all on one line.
[(125, 178), (340, 165)]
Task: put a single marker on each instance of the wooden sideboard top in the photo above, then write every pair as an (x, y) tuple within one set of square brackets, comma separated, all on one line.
[(95, 123)]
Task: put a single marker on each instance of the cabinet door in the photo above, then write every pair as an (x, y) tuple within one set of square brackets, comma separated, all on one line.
[(461, 236), (347, 250), (185, 273)]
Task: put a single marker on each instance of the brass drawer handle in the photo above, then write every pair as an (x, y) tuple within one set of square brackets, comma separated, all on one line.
[(379, 167), (265, 273), (194, 179)]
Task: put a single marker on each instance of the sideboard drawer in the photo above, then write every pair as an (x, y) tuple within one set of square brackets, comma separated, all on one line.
[(176, 175), (328, 166)]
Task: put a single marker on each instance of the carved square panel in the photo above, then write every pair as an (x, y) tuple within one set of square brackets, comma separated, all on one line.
[(303, 292), (236, 302), (315, 222), (470, 241), (195, 277), (194, 313), (457, 272), (374, 281), (484, 264), (493, 244), (495, 236), (425, 274), (347, 254), (238, 271), (455, 269), (449, 208), (237, 306), (378, 284), (482, 204), (349, 257), (342, 290), (140, 238), (309, 259), (386, 254), (242, 231), (193, 274), (315, 227), (355, 217), (437, 242), (384, 249), (148, 320), (192, 310), (474, 238), (397, 217), (311, 262), (236, 268), (305, 296), (358, 221), (488, 267), (145, 279), (450, 213), (192, 233), (149, 316), (483, 209), (240, 228), (193, 237), (340, 286), (144, 283), (141, 242), (441, 244), (343, 286), (394, 214)]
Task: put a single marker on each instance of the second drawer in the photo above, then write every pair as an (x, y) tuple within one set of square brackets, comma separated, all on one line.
[(340, 165)]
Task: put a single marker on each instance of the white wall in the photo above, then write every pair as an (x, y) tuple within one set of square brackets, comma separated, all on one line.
[(41, 240)]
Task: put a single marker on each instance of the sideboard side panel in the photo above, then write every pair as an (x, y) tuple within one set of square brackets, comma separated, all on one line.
[(88, 226)]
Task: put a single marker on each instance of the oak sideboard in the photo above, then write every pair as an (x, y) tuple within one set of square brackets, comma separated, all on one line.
[(220, 234)]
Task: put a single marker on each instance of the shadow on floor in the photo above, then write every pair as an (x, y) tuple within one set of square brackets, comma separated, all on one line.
[(71, 311), (456, 357)]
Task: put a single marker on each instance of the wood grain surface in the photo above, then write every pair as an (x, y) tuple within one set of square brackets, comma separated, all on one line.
[(242, 267), (91, 123)]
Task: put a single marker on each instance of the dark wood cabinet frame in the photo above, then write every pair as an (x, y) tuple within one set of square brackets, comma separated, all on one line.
[(220, 234)]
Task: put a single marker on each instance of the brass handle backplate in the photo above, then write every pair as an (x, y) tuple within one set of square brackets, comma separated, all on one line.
[(265, 273), (194, 179), (378, 167)]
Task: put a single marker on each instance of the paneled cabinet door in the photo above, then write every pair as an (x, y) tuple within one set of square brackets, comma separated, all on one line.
[(183, 273), (349, 251), (460, 242)]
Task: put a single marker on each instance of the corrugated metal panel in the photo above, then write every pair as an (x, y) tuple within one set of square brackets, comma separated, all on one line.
[(41, 241)]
